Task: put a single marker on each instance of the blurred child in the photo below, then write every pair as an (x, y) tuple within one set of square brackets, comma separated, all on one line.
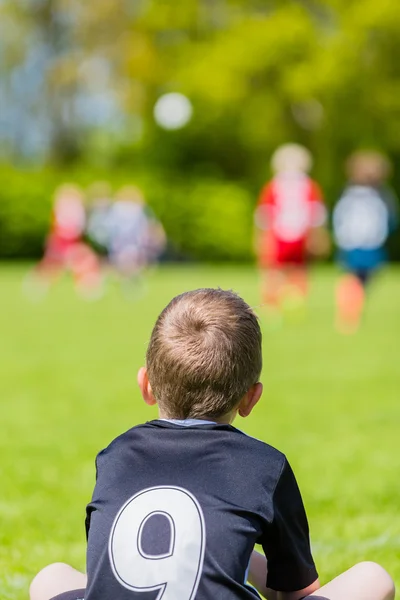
[(362, 220), (136, 239), (181, 501), (289, 218), (65, 249)]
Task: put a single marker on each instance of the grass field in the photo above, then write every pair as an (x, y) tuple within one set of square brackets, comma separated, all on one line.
[(68, 386)]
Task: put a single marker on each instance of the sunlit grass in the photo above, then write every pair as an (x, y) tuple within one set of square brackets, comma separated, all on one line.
[(68, 386)]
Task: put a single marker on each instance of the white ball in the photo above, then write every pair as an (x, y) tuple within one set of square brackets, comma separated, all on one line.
[(173, 111)]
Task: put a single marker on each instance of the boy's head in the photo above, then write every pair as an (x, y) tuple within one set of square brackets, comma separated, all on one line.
[(204, 356), (368, 168), (291, 158)]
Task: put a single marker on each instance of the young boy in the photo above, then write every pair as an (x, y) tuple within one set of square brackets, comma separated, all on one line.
[(181, 501), (363, 219), (289, 219), (65, 248), (136, 238)]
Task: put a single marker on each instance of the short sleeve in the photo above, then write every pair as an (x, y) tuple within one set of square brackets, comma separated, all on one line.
[(316, 194), (90, 507), (287, 546), (263, 212), (267, 196)]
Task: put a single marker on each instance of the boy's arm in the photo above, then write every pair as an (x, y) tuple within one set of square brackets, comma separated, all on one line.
[(266, 201), (258, 578), (258, 575), (90, 508)]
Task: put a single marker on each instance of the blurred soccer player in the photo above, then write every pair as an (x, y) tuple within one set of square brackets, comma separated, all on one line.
[(65, 249), (289, 218), (362, 221), (136, 238)]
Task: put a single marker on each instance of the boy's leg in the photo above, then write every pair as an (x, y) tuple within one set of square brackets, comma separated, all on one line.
[(298, 280), (364, 581), (273, 284), (56, 579), (85, 267)]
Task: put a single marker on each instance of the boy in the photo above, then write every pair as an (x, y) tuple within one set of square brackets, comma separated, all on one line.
[(363, 219), (136, 238), (181, 501), (289, 217), (65, 249)]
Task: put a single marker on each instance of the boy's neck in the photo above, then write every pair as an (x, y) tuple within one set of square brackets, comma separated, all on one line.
[(224, 420)]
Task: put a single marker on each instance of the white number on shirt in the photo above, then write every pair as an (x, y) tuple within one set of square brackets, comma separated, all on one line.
[(175, 573)]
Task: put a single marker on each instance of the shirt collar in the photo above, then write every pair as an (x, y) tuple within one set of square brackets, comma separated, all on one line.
[(188, 422)]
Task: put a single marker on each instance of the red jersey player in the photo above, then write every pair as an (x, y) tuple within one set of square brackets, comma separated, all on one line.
[(289, 212), (65, 249)]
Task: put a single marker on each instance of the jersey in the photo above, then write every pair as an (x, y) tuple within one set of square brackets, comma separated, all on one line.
[(128, 226), (289, 206), (176, 512), (68, 224), (68, 219), (362, 220)]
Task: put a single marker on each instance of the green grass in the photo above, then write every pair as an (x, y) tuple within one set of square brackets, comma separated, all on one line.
[(68, 386)]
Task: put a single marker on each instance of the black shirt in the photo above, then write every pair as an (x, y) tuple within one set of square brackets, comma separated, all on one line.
[(176, 513)]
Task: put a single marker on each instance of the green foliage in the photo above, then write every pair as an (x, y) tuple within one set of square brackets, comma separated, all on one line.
[(25, 210), (325, 74), (204, 218)]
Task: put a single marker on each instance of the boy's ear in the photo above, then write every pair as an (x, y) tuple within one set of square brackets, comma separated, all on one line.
[(249, 401), (145, 387)]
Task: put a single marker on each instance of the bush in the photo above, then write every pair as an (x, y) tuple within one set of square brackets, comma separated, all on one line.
[(204, 219), (25, 210)]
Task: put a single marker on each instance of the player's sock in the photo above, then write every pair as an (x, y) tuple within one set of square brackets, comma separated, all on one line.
[(350, 296)]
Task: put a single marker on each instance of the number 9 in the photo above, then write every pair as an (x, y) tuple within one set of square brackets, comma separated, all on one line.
[(176, 574)]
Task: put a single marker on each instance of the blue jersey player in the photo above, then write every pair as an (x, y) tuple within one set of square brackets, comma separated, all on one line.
[(363, 219), (181, 501)]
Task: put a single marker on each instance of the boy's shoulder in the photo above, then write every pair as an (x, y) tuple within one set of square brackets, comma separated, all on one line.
[(159, 436)]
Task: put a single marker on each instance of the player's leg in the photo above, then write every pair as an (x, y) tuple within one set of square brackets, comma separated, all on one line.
[(295, 290), (56, 579), (85, 267), (350, 299), (272, 277), (298, 280), (364, 581), (273, 285), (54, 259)]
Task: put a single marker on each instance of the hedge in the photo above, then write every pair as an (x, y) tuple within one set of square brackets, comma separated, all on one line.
[(203, 218)]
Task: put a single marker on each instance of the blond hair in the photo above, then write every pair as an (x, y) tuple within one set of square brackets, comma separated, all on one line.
[(291, 157), (204, 354)]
